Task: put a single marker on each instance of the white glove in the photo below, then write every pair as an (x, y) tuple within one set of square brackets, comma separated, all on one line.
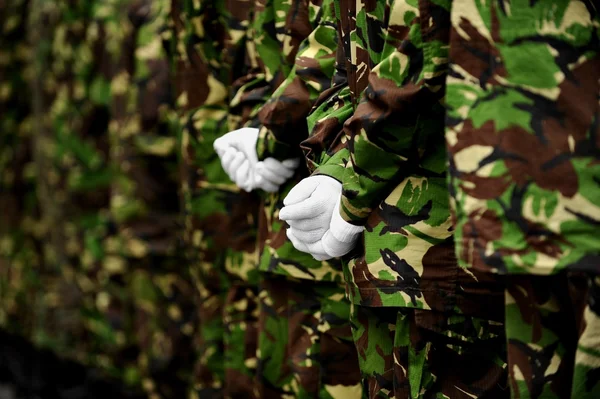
[(315, 249), (316, 227), (237, 150), (341, 236), (271, 173), (309, 205), (243, 139)]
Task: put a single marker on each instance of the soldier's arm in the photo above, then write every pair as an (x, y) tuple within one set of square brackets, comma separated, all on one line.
[(398, 123), (283, 117)]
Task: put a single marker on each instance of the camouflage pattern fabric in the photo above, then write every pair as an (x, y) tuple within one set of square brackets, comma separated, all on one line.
[(144, 200), (414, 353), (552, 325), (87, 316), (291, 55), (220, 219), (20, 255), (283, 125), (522, 134), (240, 318), (381, 132), (318, 359), (406, 258)]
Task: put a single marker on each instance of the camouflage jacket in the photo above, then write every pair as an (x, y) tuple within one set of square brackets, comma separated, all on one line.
[(145, 207), (144, 200), (86, 309), (291, 56), (523, 136), (390, 155), (283, 118), (220, 219), (20, 230)]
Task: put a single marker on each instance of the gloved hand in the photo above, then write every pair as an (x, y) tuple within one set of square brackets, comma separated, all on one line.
[(237, 150), (315, 249), (341, 236), (316, 227), (271, 173), (309, 205)]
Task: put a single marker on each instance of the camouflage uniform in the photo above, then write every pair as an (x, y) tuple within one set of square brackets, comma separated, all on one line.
[(87, 311), (522, 134), (423, 326), (20, 260), (144, 198), (220, 219), (99, 302), (304, 343)]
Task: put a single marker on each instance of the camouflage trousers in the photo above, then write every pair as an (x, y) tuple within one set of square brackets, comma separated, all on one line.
[(241, 339), (414, 353), (305, 347), (209, 375), (226, 343), (553, 333), (163, 315)]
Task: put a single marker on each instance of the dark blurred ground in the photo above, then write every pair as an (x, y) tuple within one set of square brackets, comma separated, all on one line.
[(27, 372)]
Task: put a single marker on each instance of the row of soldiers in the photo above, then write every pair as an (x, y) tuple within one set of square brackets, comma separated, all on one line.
[(128, 243)]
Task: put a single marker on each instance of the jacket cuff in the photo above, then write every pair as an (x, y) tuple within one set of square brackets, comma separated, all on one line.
[(341, 229), (268, 146), (334, 166), (352, 213)]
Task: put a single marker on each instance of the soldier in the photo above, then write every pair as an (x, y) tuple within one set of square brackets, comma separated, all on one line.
[(144, 197), (522, 133), (423, 326), (20, 255), (220, 219), (88, 310), (305, 347), (73, 157)]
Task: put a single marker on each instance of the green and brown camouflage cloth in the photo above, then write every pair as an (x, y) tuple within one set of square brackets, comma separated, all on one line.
[(282, 119), (144, 198), (552, 325), (381, 132), (86, 315), (522, 134), (291, 56), (290, 59), (99, 300), (220, 219), (415, 353), (406, 258), (20, 251), (318, 359)]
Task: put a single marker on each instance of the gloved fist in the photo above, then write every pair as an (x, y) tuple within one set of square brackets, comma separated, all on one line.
[(309, 205), (316, 227), (341, 236), (315, 249), (271, 173), (237, 150)]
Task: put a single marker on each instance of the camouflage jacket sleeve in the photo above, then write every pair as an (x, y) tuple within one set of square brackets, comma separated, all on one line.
[(523, 136), (275, 35), (210, 38), (144, 198), (324, 149), (396, 129), (283, 117)]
